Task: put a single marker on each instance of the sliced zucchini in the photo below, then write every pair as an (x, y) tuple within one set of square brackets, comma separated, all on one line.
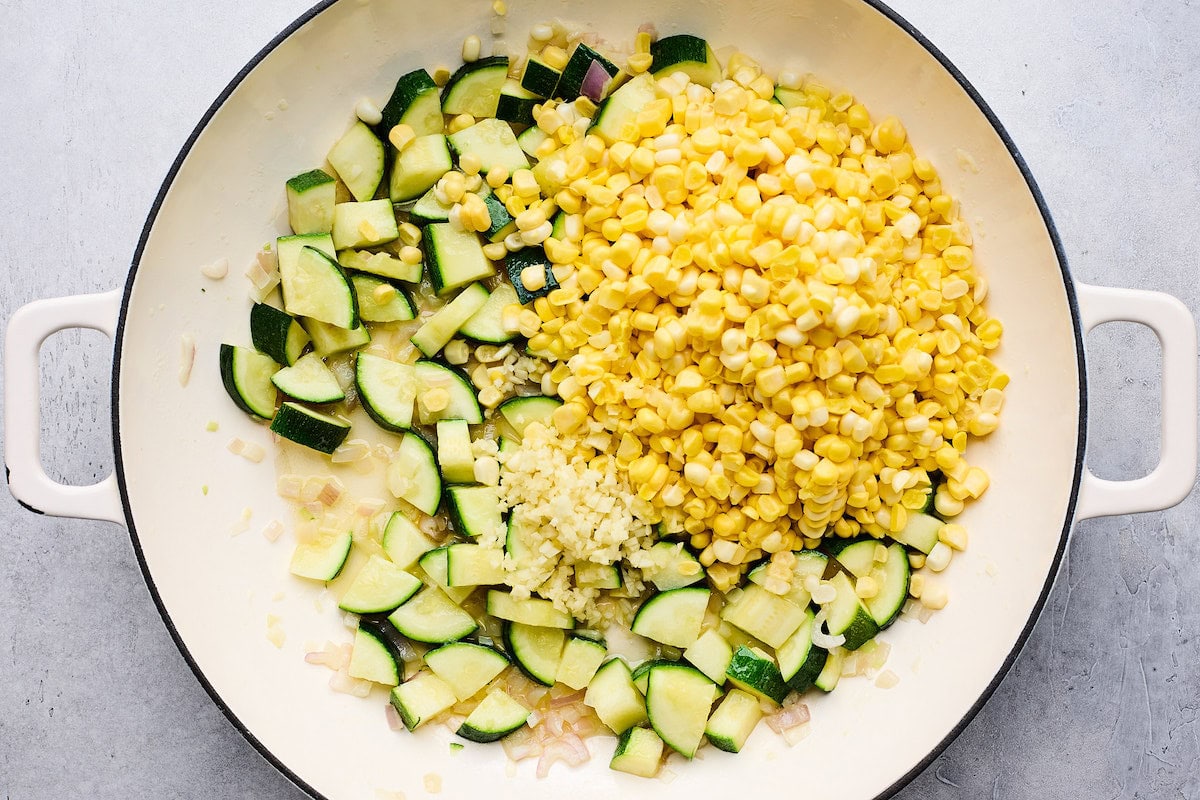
[(474, 510), (765, 616), (537, 650), (530, 138), (474, 88), (429, 209), (528, 611), (310, 428), (486, 325), (732, 723), (538, 77), (677, 702), (616, 121), (415, 103), (501, 222), (711, 655), (372, 660), (581, 657), (321, 559), (287, 248), (754, 671), (378, 588), (614, 698), (462, 404), (381, 301), (496, 716), (454, 451), (315, 286), (846, 615), (674, 567), (404, 542), (387, 390), (688, 54), (641, 673), (421, 698), (516, 262), (598, 576), (455, 257), (432, 617), (892, 577), (521, 412), (516, 103), (673, 617), (418, 167), (434, 565), (920, 532), (473, 565), (310, 197), (465, 666), (247, 375), (582, 61), (440, 328), (309, 380), (413, 474), (789, 98), (366, 224), (800, 661), (516, 541), (277, 334), (827, 679), (639, 752), (358, 159), (493, 142), (383, 265), (330, 340)]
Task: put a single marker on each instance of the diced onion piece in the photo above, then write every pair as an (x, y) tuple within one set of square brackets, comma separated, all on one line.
[(887, 679), (273, 530), (187, 357), (595, 81), (216, 270)]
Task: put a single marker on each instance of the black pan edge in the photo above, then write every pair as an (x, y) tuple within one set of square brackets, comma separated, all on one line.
[(983, 107)]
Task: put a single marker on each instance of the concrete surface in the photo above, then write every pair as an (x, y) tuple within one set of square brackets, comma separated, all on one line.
[(96, 99)]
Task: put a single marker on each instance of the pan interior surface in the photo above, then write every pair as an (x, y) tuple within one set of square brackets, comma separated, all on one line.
[(197, 512)]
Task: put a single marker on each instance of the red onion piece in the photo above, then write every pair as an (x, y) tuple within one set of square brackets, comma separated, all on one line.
[(393, 718), (570, 749), (595, 82), (788, 717)]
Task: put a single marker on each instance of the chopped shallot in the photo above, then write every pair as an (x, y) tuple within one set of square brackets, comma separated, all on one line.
[(216, 270), (393, 718), (793, 736), (273, 530), (187, 357), (570, 749), (887, 679), (353, 450), (788, 717), (289, 486)]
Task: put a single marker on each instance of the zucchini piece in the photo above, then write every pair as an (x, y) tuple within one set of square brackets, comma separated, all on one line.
[(558, 227), (434, 564), (570, 84), (440, 328), (358, 159), (372, 660), (789, 98), (530, 138), (711, 655), (493, 142), (598, 576), (486, 324), (674, 567), (415, 103), (466, 667), (502, 223), (673, 617), (403, 541), (421, 698), (418, 167), (312, 429), (528, 611), (310, 381), (378, 588), (277, 334), (474, 511), (455, 257), (827, 679), (892, 577), (321, 559), (366, 224), (846, 614), (800, 661), (616, 121), (315, 286), (515, 541), (463, 402), (381, 301), (387, 390), (472, 565), (515, 263), (581, 658), (433, 618), (382, 265), (429, 209), (247, 375), (920, 532), (537, 650), (734, 720), (454, 451), (496, 716), (765, 616), (539, 78), (639, 752), (754, 671), (474, 88), (521, 412), (310, 197), (614, 698), (515, 104), (330, 340), (287, 248), (688, 54), (677, 702), (413, 475)]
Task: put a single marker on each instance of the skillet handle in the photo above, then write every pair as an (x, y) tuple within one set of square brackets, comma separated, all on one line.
[(27, 480), (1173, 478)]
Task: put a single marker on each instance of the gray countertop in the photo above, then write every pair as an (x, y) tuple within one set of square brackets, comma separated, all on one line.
[(1102, 99)]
